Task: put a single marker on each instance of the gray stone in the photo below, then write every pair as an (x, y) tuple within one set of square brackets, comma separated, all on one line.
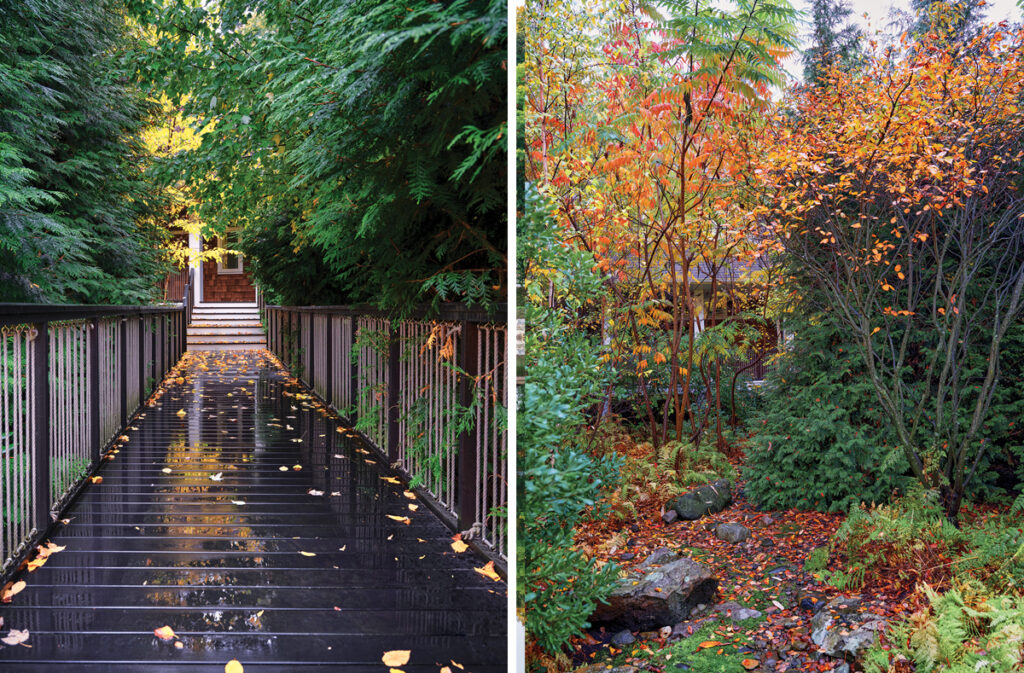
[(840, 630), (842, 668), (669, 516), (737, 612), (659, 556), (732, 532), (706, 499), (623, 638), (664, 589)]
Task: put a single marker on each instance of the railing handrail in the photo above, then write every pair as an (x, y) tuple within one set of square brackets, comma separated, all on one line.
[(95, 366), (18, 313), (382, 384), (449, 311)]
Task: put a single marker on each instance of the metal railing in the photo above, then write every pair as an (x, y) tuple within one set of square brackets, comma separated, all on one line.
[(430, 394), (71, 378)]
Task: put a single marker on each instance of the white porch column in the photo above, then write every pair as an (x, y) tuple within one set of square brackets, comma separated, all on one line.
[(195, 243)]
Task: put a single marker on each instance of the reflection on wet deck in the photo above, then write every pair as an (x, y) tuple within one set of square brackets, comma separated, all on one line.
[(259, 530)]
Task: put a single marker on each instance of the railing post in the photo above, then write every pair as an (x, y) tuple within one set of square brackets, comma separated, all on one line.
[(122, 357), (94, 387), (467, 459), (393, 396), (41, 429)]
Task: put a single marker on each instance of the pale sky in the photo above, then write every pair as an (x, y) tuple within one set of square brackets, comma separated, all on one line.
[(878, 18), (877, 12)]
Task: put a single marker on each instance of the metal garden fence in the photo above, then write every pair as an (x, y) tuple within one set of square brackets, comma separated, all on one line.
[(430, 394), (71, 378)]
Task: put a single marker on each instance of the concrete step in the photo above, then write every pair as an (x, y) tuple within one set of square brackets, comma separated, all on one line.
[(229, 324), (225, 329), (225, 317), (226, 338), (226, 304), (225, 347)]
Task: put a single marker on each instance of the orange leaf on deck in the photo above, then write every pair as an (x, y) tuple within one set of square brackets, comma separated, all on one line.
[(233, 666), (488, 571), (396, 658)]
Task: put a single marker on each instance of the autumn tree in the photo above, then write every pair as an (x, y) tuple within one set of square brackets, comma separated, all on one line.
[(640, 127), (899, 194), (956, 20)]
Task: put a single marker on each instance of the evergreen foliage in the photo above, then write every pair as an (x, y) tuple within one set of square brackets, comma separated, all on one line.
[(822, 443), (834, 40), (371, 135), (558, 586), (72, 197)]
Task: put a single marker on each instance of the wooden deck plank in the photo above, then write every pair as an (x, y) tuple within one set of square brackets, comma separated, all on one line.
[(308, 573)]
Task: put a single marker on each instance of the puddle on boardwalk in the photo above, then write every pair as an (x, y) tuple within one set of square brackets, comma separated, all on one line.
[(243, 516)]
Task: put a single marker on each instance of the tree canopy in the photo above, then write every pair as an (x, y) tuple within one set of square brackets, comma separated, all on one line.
[(359, 144), (73, 200)]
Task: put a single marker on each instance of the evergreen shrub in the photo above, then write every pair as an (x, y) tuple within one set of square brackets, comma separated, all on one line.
[(821, 443)]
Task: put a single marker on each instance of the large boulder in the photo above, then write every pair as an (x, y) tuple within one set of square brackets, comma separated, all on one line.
[(660, 591), (706, 499)]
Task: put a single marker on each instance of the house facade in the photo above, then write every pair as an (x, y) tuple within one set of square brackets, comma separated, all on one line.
[(215, 281)]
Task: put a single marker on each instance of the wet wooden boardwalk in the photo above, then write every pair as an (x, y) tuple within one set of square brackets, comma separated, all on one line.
[(256, 531)]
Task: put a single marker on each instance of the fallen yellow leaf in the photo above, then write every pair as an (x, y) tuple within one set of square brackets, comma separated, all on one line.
[(458, 545), (182, 413), (233, 666), (96, 480), (403, 519), (391, 480), (307, 553), (10, 589), (396, 657), (164, 633)]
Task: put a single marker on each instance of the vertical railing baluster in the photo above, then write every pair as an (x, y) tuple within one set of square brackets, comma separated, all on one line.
[(41, 430), (93, 376), (392, 391), (353, 360), (122, 355), (142, 359), (466, 474)]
